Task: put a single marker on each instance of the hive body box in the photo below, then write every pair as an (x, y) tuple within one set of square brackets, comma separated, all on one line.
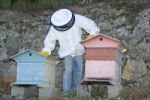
[(34, 69), (102, 60)]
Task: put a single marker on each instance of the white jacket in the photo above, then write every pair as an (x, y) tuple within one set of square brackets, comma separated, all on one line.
[(69, 40)]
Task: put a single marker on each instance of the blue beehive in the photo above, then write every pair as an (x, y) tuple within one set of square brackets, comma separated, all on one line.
[(34, 69)]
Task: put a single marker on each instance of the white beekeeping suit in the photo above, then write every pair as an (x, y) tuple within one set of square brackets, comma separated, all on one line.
[(67, 29)]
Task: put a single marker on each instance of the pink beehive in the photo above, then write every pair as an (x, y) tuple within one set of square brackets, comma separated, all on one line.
[(102, 60)]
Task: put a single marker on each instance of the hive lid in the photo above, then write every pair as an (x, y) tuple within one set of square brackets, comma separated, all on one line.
[(28, 56), (100, 41)]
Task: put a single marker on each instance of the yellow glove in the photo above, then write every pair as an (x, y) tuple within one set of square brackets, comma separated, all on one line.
[(90, 36), (45, 53)]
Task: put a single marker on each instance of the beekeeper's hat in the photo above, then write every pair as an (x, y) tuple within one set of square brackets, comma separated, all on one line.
[(62, 19)]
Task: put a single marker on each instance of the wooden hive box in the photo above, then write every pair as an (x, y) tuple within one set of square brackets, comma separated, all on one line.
[(102, 60), (34, 69)]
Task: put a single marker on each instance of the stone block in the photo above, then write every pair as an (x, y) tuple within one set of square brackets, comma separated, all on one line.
[(114, 91), (21, 92), (45, 93)]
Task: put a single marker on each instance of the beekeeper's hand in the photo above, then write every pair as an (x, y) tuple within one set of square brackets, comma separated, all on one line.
[(45, 53), (90, 36), (57, 62)]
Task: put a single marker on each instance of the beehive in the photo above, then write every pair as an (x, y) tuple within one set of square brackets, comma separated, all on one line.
[(34, 69), (102, 60)]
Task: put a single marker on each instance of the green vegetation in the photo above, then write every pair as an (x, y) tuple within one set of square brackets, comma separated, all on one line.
[(72, 93), (99, 91), (36, 4)]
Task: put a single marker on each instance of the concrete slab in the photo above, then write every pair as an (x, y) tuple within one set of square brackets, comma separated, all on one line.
[(21, 92), (45, 93)]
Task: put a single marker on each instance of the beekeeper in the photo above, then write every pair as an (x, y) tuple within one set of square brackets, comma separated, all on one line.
[(66, 27)]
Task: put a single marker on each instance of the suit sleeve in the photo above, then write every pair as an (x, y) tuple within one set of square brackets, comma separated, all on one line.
[(50, 41), (88, 25)]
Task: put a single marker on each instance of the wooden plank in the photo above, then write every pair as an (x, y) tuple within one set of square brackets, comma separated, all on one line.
[(100, 54)]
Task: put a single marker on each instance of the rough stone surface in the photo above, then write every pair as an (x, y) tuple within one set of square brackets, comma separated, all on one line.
[(134, 69)]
